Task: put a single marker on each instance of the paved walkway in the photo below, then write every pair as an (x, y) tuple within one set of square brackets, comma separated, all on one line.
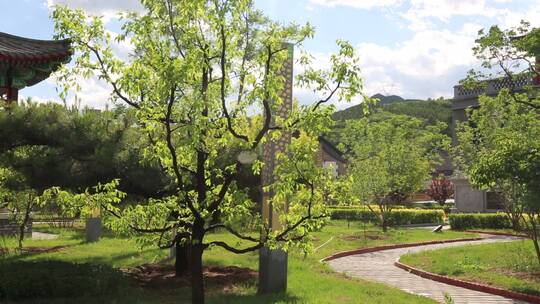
[(379, 266)]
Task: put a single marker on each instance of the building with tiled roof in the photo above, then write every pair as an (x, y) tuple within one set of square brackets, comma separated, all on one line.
[(25, 62)]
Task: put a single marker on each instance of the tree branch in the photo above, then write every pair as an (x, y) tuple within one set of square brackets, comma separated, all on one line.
[(222, 91), (231, 231), (235, 250)]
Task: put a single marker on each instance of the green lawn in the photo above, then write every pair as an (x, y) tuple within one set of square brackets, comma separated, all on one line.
[(511, 265), (309, 280)]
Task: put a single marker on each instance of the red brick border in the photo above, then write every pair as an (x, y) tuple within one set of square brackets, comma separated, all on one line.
[(387, 247), (498, 233), (469, 285)]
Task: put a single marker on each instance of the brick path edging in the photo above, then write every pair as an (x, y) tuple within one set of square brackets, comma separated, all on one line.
[(387, 247), (498, 233), (469, 285)]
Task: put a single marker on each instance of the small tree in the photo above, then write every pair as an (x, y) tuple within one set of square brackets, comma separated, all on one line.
[(20, 201), (206, 76), (391, 157), (440, 190)]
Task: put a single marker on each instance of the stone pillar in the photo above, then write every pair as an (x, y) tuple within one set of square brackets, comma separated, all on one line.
[(273, 263), (93, 227), (466, 198)]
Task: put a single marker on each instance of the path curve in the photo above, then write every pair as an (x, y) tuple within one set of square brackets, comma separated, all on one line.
[(379, 266)]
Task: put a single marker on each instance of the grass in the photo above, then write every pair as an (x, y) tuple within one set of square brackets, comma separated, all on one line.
[(309, 281), (511, 266)]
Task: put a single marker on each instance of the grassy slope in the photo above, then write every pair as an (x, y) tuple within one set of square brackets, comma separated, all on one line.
[(511, 266), (309, 281)]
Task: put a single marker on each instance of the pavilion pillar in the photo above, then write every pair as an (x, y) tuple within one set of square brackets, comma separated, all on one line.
[(273, 262), (12, 94)]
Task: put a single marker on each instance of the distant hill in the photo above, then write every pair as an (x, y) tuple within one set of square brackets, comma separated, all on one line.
[(356, 112), (429, 110), (387, 99)]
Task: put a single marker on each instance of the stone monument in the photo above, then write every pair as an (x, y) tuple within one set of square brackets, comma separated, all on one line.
[(273, 263)]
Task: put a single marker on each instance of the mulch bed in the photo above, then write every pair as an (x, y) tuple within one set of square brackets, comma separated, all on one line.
[(32, 250), (162, 276), (35, 250), (371, 235), (534, 276)]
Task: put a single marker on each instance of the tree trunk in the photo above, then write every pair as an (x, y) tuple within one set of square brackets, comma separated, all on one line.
[(181, 262), (537, 249), (21, 236), (197, 281), (533, 218), (384, 223), (25, 221)]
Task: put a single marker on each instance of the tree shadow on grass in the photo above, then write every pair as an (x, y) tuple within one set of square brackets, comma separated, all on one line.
[(253, 298), (24, 280)]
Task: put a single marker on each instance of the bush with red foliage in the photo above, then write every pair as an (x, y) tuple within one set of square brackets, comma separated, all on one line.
[(440, 190)]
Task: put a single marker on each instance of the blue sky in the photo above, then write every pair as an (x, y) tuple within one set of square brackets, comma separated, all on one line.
[(412, 48)]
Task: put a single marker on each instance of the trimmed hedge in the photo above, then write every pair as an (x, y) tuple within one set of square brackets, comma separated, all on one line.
[(397, 217), (462, 221)]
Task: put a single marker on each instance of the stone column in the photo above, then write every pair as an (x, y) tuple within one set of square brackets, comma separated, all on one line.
[(93, 227), (466, 198), (273, 263)]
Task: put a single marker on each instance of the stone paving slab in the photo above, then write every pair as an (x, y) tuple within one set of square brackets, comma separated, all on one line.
[(379, 267)]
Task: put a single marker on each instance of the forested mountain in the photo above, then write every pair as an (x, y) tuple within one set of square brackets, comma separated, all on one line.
[(431, 111)]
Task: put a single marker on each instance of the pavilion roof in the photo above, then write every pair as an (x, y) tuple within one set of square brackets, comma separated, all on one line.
[(25, 62), (15, 50)]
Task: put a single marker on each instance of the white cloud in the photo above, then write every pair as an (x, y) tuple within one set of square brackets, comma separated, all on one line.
[(413, 66), (107, 8), (530, 14), (422, 13), (361, 4), (426, 65), (445, 9)]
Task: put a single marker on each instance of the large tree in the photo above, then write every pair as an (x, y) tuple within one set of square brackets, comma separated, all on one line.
[(206, 76), (75, 148), (498, 145), (391, 157), (499, 150)]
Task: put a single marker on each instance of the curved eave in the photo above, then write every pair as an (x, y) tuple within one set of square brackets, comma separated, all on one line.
[(18, 61)]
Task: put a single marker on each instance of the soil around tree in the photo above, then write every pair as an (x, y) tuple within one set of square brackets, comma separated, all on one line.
[(371, 235), (162, 276), (36, 250)]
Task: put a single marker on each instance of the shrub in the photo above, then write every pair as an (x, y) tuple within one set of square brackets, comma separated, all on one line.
[(397, 217), (53, 279), (462, 221)]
